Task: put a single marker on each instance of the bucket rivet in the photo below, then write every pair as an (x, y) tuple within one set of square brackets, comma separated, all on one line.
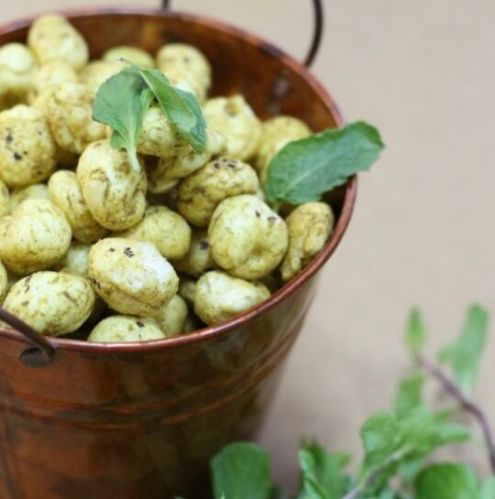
[(34, 357)]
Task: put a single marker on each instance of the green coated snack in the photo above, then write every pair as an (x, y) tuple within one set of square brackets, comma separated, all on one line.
[(27, 146), (200, 193), (113, 191), (125, 329), (131, 276), (219, 297), (34, 237), (52, 303), (247, 238), (52, 38)]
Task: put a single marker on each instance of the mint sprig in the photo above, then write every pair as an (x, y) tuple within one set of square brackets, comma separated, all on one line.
[(305, 169), (122, 101), (398, 445)]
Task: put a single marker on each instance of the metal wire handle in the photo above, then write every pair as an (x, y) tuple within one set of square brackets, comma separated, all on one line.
[(317, 33), (38, 355)]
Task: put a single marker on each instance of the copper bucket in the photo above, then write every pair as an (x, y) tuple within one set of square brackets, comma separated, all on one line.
[(93, 421)]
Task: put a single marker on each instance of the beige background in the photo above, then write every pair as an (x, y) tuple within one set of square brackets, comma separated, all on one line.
[(423, 230)]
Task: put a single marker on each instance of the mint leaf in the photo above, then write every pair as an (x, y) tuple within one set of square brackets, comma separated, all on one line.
[(409, 394), (322, 474), (416, 332), (241, 471), (121, 102), (381, 438), (447, 481), (488, 489), (305, 169), (422, 432), (181, 108), (464, 355)]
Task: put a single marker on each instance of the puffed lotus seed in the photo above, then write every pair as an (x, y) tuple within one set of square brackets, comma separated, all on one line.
[(247, 238), (17, 67), (66, 194), (70, 113), (125, 329), (219, 297), (27, 147), (165, 175), (158, 137), (200, 193), (172, 317), (131, 276), (125, 54), (52, 303), (50, 76), (187, 288), (309, 226), (34, 191), (53, 38), (166, 229), (276, 134), (113, 191), (34, 237), (234, 118), (198, 259), (182, 62), (76, 260)]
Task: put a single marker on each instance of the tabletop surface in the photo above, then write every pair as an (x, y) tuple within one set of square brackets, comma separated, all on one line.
[(422, 232)]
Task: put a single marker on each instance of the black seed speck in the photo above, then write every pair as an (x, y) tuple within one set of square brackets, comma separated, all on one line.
[(258, 214), (128, 252), (232, 165), (139, 324), (216, 165), (203, 244), (111, 250), (17, 156), (9, 138), (272, 219)]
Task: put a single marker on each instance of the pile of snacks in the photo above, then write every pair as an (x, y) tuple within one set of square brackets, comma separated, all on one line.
[(92, 248)]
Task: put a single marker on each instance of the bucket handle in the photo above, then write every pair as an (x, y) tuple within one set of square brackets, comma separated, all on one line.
[(317, 30), (41, 353)]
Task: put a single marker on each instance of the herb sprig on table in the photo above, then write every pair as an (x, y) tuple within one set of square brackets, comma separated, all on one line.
[(398, 445)]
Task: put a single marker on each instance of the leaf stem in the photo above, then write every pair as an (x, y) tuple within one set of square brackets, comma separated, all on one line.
[(372, 477), (468, 405), (133, 160)]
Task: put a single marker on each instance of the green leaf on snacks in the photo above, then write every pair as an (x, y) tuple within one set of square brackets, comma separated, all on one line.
[(121, 103), (305, 169), (181, 108)]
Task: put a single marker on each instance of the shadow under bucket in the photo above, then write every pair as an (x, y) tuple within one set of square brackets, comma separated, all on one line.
[(143, 420)]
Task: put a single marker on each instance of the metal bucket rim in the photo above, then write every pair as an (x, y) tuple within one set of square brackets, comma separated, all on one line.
[(289, 288)]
